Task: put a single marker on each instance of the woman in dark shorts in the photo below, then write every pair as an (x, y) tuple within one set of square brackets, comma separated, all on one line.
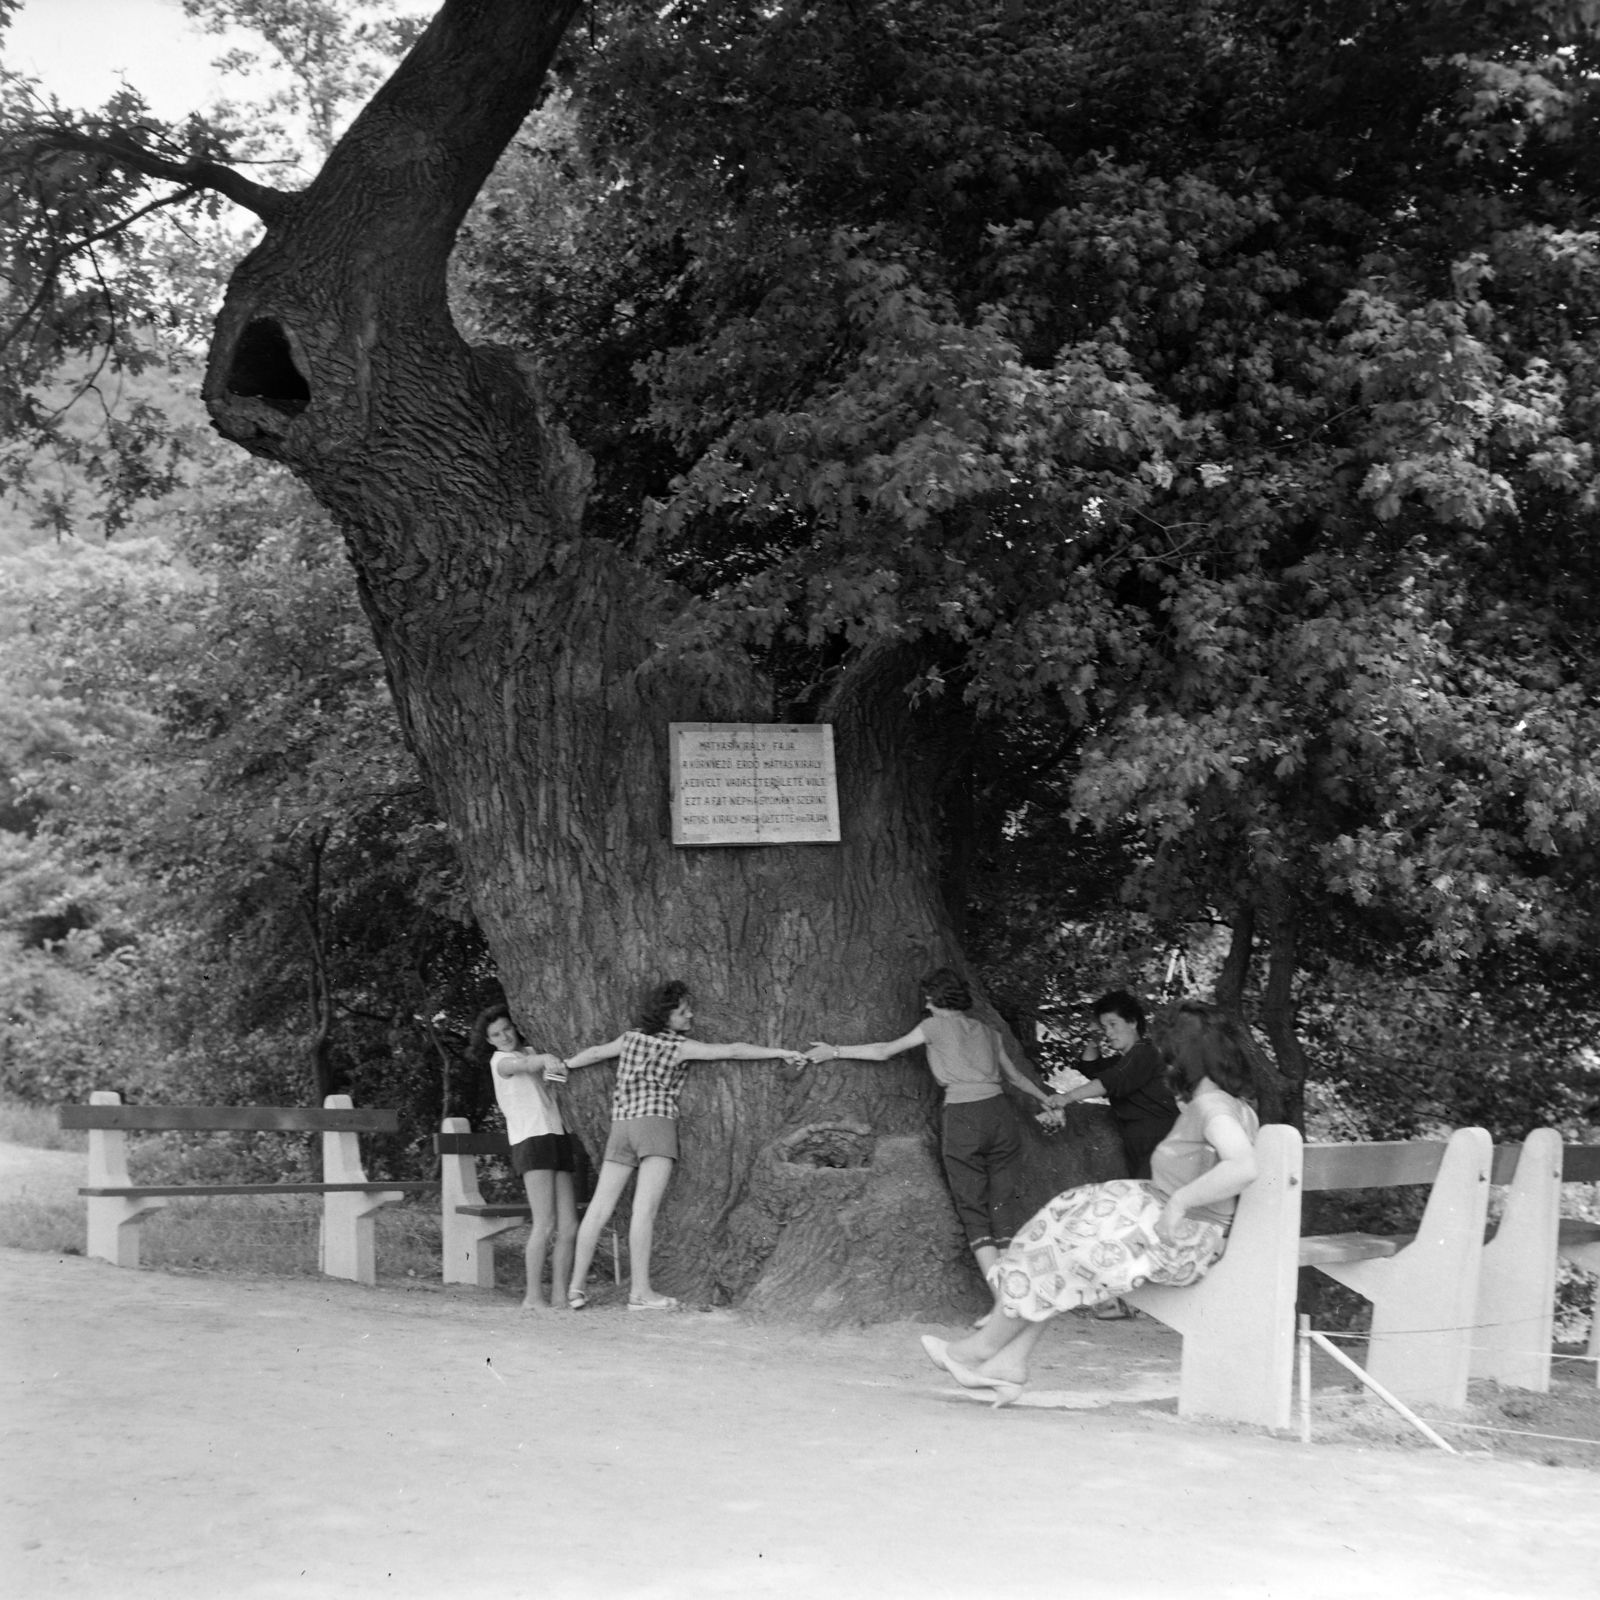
[(541, 1153)]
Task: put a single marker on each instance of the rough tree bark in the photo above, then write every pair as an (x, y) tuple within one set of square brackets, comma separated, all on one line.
[(1279, 1008), (524, 664), (1229, 994)]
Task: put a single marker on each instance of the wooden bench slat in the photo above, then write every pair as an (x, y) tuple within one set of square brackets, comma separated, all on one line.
[(138, 1191), (1580, 1163), (1320, 1247), (493, 1211), (232, 1119), (492, 1143), (1574, 1231), (1371, 1166)]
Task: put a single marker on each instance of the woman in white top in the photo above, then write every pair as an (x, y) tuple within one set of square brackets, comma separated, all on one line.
[(541, 1153), (1104, 1239)]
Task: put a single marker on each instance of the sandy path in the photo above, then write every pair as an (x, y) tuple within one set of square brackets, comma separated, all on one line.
[(173, 1436)]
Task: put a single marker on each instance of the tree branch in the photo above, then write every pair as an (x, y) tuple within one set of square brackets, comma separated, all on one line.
[(267, 203)]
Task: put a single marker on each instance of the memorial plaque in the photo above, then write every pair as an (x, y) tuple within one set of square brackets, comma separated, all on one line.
[(753, 783)]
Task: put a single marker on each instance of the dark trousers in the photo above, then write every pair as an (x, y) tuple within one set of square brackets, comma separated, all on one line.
[(982, 1152)]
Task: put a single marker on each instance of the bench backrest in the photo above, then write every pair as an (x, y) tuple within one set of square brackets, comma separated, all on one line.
[(1580, 1163), (1384, 1166), (231, 1119), (1372, 1166)]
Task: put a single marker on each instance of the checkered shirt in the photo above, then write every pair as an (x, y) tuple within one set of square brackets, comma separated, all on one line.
[(649, 1077)]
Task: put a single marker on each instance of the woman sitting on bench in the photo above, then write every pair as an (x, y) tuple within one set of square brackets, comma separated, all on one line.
[(1105, 1239)]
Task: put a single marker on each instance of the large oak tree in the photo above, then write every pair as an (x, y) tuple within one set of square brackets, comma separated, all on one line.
[(527, 665)]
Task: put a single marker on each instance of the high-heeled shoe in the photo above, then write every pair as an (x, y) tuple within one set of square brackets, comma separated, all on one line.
[(1005, 1392)]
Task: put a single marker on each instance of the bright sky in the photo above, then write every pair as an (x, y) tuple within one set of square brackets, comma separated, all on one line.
[(81, 49)]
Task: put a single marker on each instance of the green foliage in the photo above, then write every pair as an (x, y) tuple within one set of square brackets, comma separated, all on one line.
[(222, 807)]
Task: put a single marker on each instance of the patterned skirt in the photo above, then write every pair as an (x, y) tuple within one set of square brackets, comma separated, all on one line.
[(1095, 1242)]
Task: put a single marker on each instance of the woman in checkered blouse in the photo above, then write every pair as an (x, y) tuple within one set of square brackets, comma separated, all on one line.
[(654, 1060)]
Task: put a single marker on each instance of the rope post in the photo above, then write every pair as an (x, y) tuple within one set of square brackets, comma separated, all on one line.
[(1304, 1341), (616, 1259)]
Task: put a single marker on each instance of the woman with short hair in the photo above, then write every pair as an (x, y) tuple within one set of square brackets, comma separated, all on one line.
[(980, 1142)]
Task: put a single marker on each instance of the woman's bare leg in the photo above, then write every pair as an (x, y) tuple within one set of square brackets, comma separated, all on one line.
[(541, 1190), (655, 1172), (990, 1340), (1010, 1363), (566, 1239), (613, 1180)]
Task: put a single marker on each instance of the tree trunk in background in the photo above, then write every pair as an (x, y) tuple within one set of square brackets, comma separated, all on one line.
[(524, 663), (1279, 1008), (1229, 994)]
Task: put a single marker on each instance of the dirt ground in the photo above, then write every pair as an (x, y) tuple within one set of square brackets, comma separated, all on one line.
[(172, 1435)]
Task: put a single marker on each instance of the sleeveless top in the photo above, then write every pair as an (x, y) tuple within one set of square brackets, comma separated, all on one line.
[(1183, 1155), (649, 1076), (529, 1107), (964, 1056)]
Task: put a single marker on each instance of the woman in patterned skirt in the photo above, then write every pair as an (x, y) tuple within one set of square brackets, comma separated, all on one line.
[(655, 1055), (1105, 1239)]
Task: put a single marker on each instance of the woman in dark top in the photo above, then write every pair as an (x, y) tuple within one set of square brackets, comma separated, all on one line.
[(1133, 1079)]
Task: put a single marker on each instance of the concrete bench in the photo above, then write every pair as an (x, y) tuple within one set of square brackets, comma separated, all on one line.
[(1238, 1321), (1516, 1310), (468, 1226), (117, 1205)]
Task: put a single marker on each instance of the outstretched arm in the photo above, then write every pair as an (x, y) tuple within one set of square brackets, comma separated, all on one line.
[(1022, 1080), (867, 1052), (595, 1052), (531, 1063), (697, 1050)]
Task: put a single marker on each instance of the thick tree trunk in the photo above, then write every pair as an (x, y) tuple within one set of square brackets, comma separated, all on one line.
[(1229, 994), (525, 665)]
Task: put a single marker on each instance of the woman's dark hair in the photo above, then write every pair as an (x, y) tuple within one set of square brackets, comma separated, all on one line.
[(945, 987), (478, 1042), (1198, 1041), (659, 1004), (1119, 1003)]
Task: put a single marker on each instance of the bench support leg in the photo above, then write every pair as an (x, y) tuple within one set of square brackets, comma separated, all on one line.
[(1516, 1293), (1237, 1322), (468, 1253), (1425, 1298), (348, 1246), (469, 1249), (113, 1221)]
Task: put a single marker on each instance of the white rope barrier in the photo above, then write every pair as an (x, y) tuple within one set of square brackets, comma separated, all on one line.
[(1377, 1388), (1403, 1333)]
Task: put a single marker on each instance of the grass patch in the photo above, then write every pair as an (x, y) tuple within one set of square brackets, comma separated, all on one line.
[(274, 1236), (1558, 1429), (38, 1127)]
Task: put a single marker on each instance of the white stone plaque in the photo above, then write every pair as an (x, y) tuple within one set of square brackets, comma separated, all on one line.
[(753, 783)]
